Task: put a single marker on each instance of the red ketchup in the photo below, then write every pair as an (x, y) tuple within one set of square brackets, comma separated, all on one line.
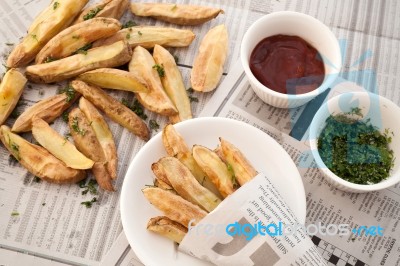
[(287, 64)]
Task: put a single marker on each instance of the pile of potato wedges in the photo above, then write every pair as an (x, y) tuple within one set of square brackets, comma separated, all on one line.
[(86, 47)]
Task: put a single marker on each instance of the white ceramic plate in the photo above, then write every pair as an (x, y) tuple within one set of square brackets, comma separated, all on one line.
[(263, 152)]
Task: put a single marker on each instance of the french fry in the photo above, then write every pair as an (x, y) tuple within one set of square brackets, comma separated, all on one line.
[(106, 8), (209, 62), (111, 78), (57, 16), (187, 159), (118, 112), (103, 134), (177, 14), (73, 38), (244, 171), (215, 169), (86, 142), (143, 65), (59, 146), (173, 84), (148, 36), (37, 160), (186, 184), (174, 206), (166, 227), (173, 142), (48, 109), (11, 88), (112, 55)]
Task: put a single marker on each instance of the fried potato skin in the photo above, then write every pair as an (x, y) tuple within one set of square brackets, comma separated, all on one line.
[(108, 8), (11, 89), (38, 161), (173, 142), (164, 226)]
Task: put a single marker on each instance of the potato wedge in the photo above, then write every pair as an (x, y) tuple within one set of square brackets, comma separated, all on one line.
[(103, 134), (106, 8), (160, 174), (215, 169), (112, 55), (86, 142), (161, 184), (143, 66), (11, 88), (166, 227), (172, 82), (73, 38), (37, 160), (111, 78), (186, 184), (118, 112), (174, 206), (148, 36), (242, 168), (187, 159), (48, 109), (173, 142), (174, 13), (57, 16), (59, 146), (209, 62)]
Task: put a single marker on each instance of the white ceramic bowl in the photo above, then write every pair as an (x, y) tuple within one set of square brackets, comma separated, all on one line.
[(297, 24), (383, 113)]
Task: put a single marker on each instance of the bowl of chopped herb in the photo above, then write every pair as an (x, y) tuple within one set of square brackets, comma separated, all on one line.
[(354, 141)]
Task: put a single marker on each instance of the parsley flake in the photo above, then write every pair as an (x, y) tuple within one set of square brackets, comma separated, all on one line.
[(92, 13), (160, 70)]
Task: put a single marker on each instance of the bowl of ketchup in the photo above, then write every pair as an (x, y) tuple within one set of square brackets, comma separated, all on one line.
[(289, 58)]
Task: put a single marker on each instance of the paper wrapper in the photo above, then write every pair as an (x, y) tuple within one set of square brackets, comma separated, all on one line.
[(257, 202)]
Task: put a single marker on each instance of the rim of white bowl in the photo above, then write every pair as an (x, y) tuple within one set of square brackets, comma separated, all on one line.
[(315, 125), (327, 82)]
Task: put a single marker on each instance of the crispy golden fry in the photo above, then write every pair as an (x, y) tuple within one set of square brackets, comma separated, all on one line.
[(173, 141), (166, 227), (11, 88), (112, 55), (148, 36), (143, 66), (186, 184), (75, 37), (177, 14), (215, 169), (103, 134), (86, 141), (111, 78), (174, 206), (242, 168), (161, 184), (160, 174), (209, 62), (106, 8), (187, 159), (113, 108), (38, 160), (58, 145), (48, 109), (57, 16), (173, 84)]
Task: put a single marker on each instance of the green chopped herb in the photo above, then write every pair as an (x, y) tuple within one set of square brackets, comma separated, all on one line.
[(14, 147), (191, 98), (140, 33), (153, 124), (37, 179), (89, 187), (76, 37), (136, 107), (83, 49), (15, 113), (9, 44), (64, 117), (82, 183), (55, 5), (88, 204), (128, 36), (174, 8), (14, 213), (75, 127), (160, 70), (92, 13), (354, 149), (34, 37), (69, 91), (129, 24)]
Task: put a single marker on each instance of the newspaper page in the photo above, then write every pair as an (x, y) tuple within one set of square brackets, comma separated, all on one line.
[(48, 222)]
